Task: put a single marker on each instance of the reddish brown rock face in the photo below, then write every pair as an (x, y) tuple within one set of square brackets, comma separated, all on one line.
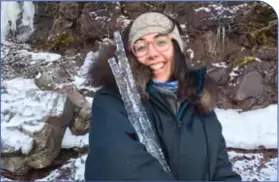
[(241, 59)]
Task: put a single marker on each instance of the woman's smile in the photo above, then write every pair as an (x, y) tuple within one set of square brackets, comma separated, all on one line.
[(157, 66)]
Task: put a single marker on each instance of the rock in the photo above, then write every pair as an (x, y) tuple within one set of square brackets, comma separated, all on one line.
[(98, 19), (219, 75), (80, 125), (69, 10), (252, 85), (45, 13), (48, 145), (211, 42), (19, 61), (276, 80), (42, 116), (265, 96), (224, 102), (61, 75), (44, 81), (50, 137), (267, 54), (61, 27), (133, 9), (15, 164), (246, 104), (82, 108)]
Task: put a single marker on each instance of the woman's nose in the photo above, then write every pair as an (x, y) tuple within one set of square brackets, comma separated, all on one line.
[(152, 51)]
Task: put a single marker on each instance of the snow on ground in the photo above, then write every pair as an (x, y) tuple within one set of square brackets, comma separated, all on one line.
[(39, 56), (71, 141), (246, 130), (251, 166), (254, 166), (250, 129), (72, 170)]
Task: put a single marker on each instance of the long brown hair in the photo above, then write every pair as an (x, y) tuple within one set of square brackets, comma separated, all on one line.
[(186, 85), (100, 75)]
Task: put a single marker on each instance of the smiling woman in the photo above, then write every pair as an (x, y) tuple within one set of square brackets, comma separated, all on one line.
[(179, 105), (156, 52)]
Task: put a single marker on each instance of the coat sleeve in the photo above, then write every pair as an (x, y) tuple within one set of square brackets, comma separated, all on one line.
[(223, 170), (114, 152)]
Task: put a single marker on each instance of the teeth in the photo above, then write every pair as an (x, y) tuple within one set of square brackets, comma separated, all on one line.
[(157, 66)]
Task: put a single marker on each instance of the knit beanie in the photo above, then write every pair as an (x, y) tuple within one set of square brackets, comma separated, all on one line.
[(153, 22)]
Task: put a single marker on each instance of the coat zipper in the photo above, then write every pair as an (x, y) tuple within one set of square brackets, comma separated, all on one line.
[(179, 121)]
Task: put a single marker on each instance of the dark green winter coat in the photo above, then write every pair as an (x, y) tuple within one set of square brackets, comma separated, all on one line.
[(192, 143)]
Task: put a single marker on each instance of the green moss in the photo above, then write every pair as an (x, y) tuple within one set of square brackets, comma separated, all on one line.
[(61, 42), (260, 37), (244, 60), (262, 26)]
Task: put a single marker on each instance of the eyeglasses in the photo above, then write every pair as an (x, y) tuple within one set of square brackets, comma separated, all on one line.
[(161, 43)]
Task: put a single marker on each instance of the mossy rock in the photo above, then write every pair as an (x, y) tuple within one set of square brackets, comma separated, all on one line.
[(263, 24), (62, 42), (241, 61)]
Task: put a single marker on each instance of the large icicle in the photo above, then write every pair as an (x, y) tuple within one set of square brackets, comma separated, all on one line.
[(131, 98)]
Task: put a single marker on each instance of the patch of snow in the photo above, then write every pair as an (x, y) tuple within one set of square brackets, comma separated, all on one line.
[(88, 61), (258, 59), (203, 9), (235, 72), (71, 141), (73, 170), (191, 53), (15, 141), (64, 173), (251, 129), (220, 8), (33, 128), (252, 166), (220, 65), (89, 99), (80, 167), (41, 56), (183, 26), (248, 165), (38, 75), (79, 81)]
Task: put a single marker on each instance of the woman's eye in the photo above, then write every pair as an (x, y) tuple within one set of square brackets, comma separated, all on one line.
[(161, 42), (140, 48)]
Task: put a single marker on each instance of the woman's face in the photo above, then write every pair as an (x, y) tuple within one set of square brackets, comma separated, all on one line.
[(157, 52)]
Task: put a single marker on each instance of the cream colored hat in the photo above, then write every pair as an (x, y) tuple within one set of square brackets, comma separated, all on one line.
[(153, 22)]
